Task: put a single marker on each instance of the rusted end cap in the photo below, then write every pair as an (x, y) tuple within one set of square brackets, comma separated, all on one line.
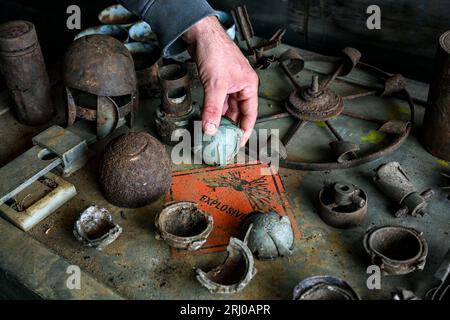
[(17, 35)]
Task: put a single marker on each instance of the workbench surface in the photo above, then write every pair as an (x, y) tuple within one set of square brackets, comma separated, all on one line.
[(137, 266)]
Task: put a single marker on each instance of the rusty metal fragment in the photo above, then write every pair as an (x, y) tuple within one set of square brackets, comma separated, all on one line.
[(183, 225), (109, 99), (436, 123), (396, 250), (134, 170), (393, 181), (23, 68), (255, 53), (95, 228), (344, 150), (350, 58), (394, 84), (268, 235), (177, 110), (234, 274), (342, 204), (324, 288)]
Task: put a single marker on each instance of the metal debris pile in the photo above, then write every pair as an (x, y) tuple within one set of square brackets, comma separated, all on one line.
[(135, 169)]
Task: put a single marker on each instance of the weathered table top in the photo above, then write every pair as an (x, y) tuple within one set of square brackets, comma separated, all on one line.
[(138, 266)]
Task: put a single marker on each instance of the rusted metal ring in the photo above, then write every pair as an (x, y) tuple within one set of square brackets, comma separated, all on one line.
[(324, 288), (342, 205), (396, 250), (184, 226)]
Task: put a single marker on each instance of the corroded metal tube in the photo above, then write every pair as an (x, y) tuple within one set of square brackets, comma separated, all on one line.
[(436, 124), (23, 67)]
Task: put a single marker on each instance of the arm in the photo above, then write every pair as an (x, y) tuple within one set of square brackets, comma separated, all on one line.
[(230, 83)]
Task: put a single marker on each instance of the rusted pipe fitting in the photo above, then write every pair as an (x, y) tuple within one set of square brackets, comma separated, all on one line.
[(183, 225), (393, 181), (23, 67), (436, 123), (176, 98), (396, 250), (324, 288), (342, 205), (176, 110), (234, 274)]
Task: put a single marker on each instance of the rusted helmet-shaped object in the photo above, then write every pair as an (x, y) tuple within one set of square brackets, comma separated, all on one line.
[(134, 170), (100, 81)]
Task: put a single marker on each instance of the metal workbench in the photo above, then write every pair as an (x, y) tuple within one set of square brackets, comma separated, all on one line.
[(137, 266)]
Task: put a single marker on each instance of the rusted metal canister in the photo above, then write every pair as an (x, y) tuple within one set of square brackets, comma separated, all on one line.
[(23, 67), (436, 124)]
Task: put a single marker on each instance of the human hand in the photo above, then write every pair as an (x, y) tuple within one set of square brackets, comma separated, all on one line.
[(229, 82)]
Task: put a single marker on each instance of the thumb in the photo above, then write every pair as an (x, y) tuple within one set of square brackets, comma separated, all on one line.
[(213, 103)]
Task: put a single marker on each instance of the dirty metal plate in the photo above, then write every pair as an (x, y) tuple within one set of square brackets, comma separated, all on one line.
[(25, 169), (229, 194), (38, 200)]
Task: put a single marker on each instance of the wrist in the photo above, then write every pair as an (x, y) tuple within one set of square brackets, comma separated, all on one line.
[(204, 27)]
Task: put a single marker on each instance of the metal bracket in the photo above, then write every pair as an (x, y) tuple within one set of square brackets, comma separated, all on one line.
[(55, 147)]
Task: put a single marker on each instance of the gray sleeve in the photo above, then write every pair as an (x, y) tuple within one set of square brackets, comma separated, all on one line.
[(169, 19)]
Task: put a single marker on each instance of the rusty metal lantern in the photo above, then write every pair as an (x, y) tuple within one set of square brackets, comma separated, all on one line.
[(100, 82)]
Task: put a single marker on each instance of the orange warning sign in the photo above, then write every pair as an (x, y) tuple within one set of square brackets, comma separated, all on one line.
[(229, 194)]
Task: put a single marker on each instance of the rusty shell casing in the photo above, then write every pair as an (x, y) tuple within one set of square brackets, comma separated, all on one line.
[(436, 125), (23, 67)]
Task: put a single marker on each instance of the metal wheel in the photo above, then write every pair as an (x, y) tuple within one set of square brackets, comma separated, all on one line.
[(319, 103)]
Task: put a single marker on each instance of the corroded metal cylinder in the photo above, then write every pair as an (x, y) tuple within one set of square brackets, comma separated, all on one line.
[(23, 67), (436, 125)]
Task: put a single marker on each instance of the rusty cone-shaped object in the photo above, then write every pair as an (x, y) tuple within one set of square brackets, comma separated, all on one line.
[(134, 170)]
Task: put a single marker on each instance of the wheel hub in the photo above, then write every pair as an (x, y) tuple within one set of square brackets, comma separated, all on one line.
[(314, 104)]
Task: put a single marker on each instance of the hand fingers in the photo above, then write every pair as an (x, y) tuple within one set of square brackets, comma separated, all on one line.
[(248, 105), (233, 109), (213, 104)]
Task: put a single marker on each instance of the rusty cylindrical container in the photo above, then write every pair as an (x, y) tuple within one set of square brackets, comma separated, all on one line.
[(436, 125), (23, 67)]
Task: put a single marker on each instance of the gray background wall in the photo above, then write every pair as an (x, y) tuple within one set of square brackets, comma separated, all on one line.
[(406, 43)]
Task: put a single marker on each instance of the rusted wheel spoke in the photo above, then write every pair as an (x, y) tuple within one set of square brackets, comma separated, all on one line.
[(360, 95), (290, 75), (277, 116), (287, 139), (332, 77), (339, 137), (333, 130)]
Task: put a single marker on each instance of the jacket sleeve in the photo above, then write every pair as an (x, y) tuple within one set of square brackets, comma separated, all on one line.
[(169, 19)]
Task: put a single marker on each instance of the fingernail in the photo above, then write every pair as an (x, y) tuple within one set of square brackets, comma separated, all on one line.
[(210, 128)]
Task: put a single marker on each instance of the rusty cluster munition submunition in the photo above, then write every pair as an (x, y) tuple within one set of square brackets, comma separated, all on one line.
[(23, 67), (436, 124)]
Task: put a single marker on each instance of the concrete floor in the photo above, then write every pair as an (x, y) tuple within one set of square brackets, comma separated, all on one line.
[(137, 266)]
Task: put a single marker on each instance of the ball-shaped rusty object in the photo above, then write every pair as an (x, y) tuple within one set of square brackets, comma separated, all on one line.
[(134, 170)]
